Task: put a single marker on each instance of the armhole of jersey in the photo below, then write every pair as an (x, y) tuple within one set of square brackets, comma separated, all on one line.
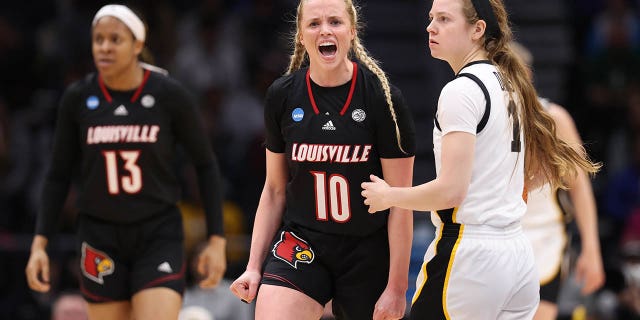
[(487, 110)]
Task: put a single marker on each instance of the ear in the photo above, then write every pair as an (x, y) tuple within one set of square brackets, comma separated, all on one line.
[(137, 47), (353, 33), (301, 40), (478, 30)]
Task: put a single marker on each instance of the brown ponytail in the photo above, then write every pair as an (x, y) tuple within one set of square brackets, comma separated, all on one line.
[(547, 158)]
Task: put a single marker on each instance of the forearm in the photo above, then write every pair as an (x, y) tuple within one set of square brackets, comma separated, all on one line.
[(433, 195), (400, 230), (210, 187), (585, 213), (267, 221)]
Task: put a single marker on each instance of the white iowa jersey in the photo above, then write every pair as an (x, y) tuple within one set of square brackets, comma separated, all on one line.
[(494, 196)]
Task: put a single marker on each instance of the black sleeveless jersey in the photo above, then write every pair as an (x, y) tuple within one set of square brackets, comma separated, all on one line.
[(124, 144), (334, 138)]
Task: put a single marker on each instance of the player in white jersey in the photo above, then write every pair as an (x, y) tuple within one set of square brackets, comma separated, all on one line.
[(491, 133), (545, 222)]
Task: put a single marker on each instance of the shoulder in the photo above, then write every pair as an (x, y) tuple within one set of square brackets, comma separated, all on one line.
[(462, 87), (164, 83), (282, 86), (559, 114), (78, 89), (565, 126), (87, 83)]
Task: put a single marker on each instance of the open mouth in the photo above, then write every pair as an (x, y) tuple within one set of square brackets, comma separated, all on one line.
[(328, 49)]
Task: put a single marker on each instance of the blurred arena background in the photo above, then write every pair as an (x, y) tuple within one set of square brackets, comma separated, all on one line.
[(227, 52)]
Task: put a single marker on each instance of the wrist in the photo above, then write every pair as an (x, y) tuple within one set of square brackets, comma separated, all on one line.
[(39, 243), (217, 241)]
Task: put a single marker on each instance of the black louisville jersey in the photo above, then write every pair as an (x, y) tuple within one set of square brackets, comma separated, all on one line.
[(334, 138), (124, 142)]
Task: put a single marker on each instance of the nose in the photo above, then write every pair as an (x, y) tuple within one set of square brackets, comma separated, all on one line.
[(325, 29), (430, 27), (105, 46)]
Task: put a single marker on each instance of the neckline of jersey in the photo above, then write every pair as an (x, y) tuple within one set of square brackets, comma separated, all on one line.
[(475, 62), (135, 95), (351, 89)]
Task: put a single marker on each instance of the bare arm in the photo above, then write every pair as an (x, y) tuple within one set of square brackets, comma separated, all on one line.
[(392, 303), (589, 269), (448, 190), (267, 221)]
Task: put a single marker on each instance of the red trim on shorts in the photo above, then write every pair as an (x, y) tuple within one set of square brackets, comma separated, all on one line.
[(166, 278), (279, 278), (92, 296)]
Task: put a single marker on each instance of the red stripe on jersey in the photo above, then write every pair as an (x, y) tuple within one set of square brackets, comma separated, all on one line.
[(136, 94), (139, 91), (351, 89)]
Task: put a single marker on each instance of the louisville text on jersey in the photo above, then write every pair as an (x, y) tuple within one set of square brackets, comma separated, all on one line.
[(123, 134), (341, 153)]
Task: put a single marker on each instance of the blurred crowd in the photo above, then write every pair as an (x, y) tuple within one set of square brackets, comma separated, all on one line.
[(227, 52)]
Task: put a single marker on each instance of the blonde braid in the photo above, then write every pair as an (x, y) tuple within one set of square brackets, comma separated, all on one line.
[(298, 56), (363, 56), (299, 52)]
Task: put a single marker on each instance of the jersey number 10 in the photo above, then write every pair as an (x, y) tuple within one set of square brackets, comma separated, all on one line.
[(332, 197), (131, 183)]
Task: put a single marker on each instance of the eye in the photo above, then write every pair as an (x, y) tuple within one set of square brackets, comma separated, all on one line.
[(116, 39), (443, 19), (313, 24), (335, 22)]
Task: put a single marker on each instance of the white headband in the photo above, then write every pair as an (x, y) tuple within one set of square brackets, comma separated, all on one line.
[(125, 15)]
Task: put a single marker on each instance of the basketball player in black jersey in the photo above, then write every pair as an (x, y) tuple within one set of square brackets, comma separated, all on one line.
[(329, 126), (119, 128)]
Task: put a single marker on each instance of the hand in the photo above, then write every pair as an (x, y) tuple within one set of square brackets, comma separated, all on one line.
[(589, 272), (37, 271), (374, 193), (212, 262), (390, 306), (246, 286)]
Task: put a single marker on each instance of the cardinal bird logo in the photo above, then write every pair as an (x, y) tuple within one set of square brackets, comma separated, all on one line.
[(291, 249), (95, 264)]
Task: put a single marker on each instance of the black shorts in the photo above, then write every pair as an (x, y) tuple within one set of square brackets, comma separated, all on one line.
[(118, 260), (550, 290), (353, 271)]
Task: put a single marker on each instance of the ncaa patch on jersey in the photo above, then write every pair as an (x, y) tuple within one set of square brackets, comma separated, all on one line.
[(297, 114), (92, 102), (358, 115)]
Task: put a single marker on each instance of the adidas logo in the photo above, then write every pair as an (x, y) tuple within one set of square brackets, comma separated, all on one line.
[(121, 111), (165, 267), (328, 126)]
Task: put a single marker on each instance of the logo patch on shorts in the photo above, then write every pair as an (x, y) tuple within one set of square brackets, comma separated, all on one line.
[(291, 249), (95, 264)]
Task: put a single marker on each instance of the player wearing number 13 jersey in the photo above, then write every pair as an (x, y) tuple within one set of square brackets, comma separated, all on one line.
[(118, 129)]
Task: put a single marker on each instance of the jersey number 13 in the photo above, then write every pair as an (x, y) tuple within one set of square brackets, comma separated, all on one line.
[(131, 182)]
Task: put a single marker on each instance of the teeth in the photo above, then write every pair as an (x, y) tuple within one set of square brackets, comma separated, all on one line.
[(324, 44)]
